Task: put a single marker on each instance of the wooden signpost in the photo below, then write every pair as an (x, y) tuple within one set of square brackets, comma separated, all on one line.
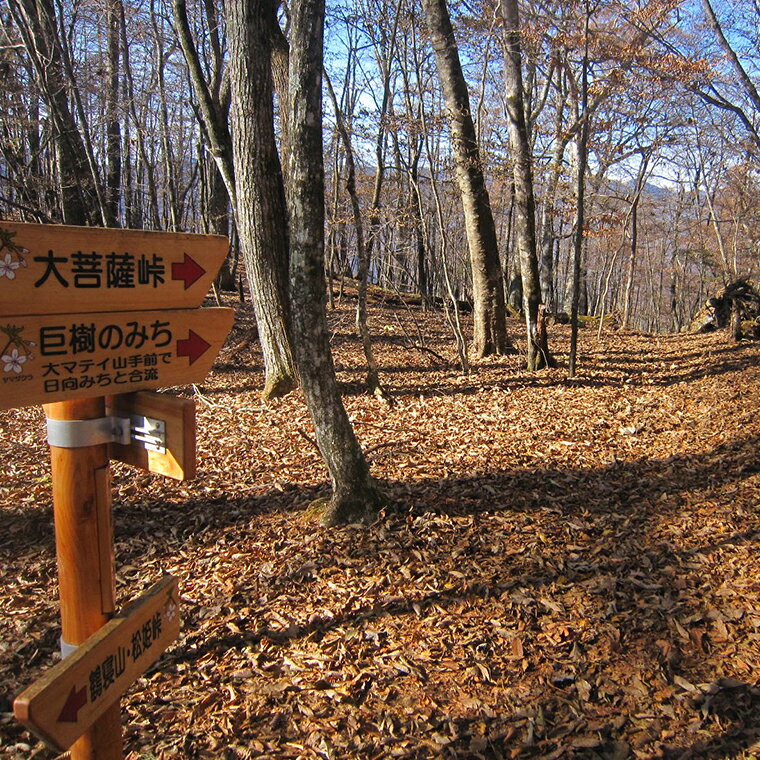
[(71, 696), (65, 356), (174, 456), (56, 269), (89, 319)]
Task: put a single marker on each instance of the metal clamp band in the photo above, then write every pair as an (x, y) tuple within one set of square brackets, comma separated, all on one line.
[(67, 649), (74, 434)]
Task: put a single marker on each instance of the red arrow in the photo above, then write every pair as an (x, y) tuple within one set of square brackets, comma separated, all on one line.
[(75, 702), (188, 270), (193, 346)]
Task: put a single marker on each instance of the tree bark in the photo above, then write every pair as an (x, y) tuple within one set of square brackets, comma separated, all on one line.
[(490, 332), (113, 125), (212, 109), (355, 497), (362, 248), (36, 21), (259, 187), (525, 204), (137, 213)]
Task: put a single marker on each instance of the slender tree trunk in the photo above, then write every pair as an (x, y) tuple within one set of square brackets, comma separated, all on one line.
[(362, 249), (580, 221), (355, 497), (113, 124), (163, 119), (138, 214), (634, 240), (259, 188), (212, 108), (415, 205), (548, 212), (490, 336), (525, 227), (36, 21)]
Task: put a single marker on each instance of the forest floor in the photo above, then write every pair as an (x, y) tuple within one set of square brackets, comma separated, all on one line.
[(565, 569)]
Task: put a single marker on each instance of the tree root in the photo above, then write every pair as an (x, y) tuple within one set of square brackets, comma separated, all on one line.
[(353, 508), (278, 387)]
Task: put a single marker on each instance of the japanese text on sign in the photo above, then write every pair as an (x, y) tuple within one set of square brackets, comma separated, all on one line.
[(106, 672), (83, 337), (96, 270)]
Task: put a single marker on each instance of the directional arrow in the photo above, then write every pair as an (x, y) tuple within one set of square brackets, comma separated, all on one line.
[(74, 703), (38, 707), (175, 270), (188, 270), (193, 346)]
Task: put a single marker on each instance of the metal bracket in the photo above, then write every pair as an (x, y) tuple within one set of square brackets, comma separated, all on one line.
[(150, 432), (74, 434), (67, 649)]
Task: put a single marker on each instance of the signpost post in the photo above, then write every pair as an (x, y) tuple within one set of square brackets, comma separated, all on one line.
[(85, 314), (84, 548)]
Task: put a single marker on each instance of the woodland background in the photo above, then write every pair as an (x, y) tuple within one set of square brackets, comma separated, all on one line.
[(562, 566), (671, 183)]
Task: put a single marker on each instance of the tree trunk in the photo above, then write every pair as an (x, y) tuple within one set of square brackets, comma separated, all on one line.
[(549, 210), (490, 336), (212, 109), (628, 295), (138, 215), (36, 21), (355, 497), (415, 203), (170, 180), (525, 205), (632, 255), (113, 125), (259, 188), (362, 248)]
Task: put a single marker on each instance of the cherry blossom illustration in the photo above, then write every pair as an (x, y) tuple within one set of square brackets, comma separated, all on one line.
[(14, 256), (8, 267), (170, 609), (17, 350), (13, 361)]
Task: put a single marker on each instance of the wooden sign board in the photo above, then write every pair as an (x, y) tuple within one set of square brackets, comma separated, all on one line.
[(178, 416), (45, 268), (67, 700), (61, 357)]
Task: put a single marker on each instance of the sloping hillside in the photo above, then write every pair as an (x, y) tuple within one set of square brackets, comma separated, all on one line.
[(564, 569)]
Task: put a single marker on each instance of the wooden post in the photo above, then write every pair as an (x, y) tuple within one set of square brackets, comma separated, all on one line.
[(84, 547)]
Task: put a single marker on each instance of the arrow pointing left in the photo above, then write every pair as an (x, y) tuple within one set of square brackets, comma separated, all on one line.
[(56, 707), (74, 703)]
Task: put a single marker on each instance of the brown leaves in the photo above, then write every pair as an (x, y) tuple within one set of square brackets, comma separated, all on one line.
[(545, 583)]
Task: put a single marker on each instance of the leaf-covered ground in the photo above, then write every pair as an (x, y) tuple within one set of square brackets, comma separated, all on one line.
[(565, 568)]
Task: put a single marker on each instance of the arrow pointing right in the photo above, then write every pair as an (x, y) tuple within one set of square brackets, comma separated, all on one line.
[(74, 703), (193, 346), (187, 270)]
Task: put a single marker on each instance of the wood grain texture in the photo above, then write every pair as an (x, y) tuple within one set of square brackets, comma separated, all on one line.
[(148, 270), (69, 356), (84, 549), (73, 695), (179, 416)]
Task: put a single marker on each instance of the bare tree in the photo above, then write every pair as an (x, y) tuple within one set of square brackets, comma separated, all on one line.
[(248, 161), (81, 193), (259, 189), (487, 279), (525, 227), (355, 497)]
